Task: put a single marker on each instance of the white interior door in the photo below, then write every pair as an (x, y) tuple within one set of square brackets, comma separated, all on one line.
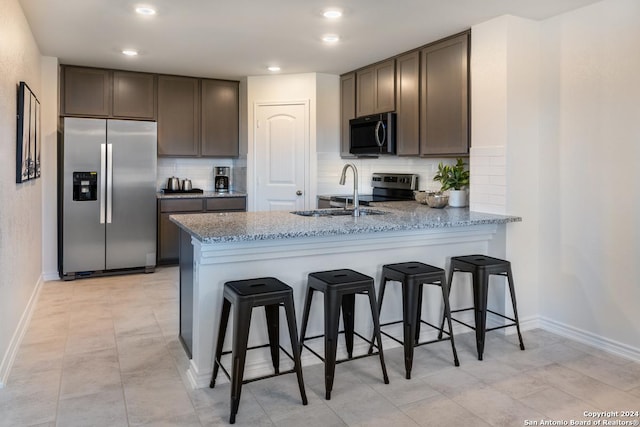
[(281, 141)]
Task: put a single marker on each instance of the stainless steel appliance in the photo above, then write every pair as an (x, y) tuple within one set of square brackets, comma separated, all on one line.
[(373, 135), (387, 187), (222, 180), (107, 197)]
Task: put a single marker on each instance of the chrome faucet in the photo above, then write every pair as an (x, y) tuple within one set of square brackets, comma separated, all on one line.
[(343, 176)]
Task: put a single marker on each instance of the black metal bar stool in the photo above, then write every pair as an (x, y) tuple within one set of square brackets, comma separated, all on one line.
[(340, 288), (481, 267), (412, 276), (244, 295)]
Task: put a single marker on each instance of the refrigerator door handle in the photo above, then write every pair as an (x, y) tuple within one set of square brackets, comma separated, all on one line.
[(109, 182), (103, 171)]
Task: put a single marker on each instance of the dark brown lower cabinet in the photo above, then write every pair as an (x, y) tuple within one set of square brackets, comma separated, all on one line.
[(168, 250)]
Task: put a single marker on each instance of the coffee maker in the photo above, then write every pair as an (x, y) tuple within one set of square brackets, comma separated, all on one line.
[(222, 179)]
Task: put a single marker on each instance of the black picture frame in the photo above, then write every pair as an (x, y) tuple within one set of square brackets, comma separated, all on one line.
[(28, 135)]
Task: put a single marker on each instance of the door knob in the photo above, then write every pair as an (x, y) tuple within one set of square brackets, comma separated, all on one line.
[(298, 193)]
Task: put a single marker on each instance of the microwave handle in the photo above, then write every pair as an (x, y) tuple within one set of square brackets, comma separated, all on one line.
[(379, 141)]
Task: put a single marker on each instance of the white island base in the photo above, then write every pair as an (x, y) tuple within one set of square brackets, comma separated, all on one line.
[(205, 267)]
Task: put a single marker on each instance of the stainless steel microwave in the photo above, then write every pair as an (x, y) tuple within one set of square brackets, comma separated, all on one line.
[(373, 135)]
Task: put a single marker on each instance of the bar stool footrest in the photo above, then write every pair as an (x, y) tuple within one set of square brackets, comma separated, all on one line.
[(340, 360), (255, 347), (486, 329)]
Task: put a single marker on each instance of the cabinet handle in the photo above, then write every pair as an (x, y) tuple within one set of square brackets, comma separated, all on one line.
[(298, 193)]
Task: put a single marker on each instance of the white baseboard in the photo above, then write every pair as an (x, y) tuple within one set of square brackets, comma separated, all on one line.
[(18, 334), (589, 338), (49, 276)]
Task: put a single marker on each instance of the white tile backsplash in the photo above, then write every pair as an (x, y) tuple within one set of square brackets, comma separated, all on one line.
[(330, 166), (488, 179), (200, 172)]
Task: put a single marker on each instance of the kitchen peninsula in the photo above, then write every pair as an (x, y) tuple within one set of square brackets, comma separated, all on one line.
[(219, 247)]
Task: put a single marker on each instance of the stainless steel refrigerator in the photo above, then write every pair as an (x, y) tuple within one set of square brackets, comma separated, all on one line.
[(107, 196)]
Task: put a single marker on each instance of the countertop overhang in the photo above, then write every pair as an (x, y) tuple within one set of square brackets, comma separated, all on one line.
[(399, 216)]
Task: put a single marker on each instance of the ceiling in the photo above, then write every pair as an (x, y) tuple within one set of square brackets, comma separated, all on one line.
[(232, 39)]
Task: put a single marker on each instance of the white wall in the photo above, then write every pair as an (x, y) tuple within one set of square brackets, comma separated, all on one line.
[(559, 100), (20, 204), (49, 155), (591, 134), (505, 75)]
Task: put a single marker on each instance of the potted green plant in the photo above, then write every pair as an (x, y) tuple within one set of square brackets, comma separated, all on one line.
[(455, 179)]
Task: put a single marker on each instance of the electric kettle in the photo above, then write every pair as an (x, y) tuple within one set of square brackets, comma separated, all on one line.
[(173, 184)]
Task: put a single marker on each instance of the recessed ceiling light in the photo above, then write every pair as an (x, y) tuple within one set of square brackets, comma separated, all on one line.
[(330, 38), (129, 52), (145, 10), (273, 68), (332, 14)]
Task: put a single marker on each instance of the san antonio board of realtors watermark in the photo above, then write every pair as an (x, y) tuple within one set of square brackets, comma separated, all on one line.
[(594, 418)]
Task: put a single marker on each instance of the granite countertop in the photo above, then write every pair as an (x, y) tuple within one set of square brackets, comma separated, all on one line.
[(398, 216), (206, 194)]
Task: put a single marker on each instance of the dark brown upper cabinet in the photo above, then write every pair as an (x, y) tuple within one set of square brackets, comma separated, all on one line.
[(376, 88), (408, 104), (134, 95), (178, 116), (444, 98), (429, 92), (347, 110), (97, 92), (86, 92), (219, 118)]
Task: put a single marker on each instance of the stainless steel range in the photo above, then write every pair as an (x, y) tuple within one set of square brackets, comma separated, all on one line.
[(387, 187)]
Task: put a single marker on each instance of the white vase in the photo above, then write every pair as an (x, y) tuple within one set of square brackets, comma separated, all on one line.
[(457, 198)]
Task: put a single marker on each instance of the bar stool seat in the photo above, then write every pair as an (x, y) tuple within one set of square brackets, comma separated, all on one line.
[(481, 267), (243, 295), (340, 288), (413, 275)]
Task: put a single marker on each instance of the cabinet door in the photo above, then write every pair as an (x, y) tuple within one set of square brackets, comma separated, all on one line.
[(178, 116), (408, 104), (385, 86), (365, 91), (376, 88), (219, 118), (168, 232), (444, 121), (218, 204), (347, 110), (168, 240), (86, 92), (134, 95)]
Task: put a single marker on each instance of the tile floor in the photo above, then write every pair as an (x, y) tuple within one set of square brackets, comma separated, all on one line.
[(103, 352)]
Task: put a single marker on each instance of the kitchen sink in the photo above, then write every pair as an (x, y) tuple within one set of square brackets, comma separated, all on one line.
[(337, 212)]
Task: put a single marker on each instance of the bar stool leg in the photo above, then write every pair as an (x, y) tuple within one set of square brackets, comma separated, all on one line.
[(348, 306), (273, 329), (418, 314), (447, 314), (444, 318), (331, 324), (480, 283), (410, 313), (239, 353), (222, 330), (376, 326), (383, 285), (293, 334), (305, 315), (513, 303)]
